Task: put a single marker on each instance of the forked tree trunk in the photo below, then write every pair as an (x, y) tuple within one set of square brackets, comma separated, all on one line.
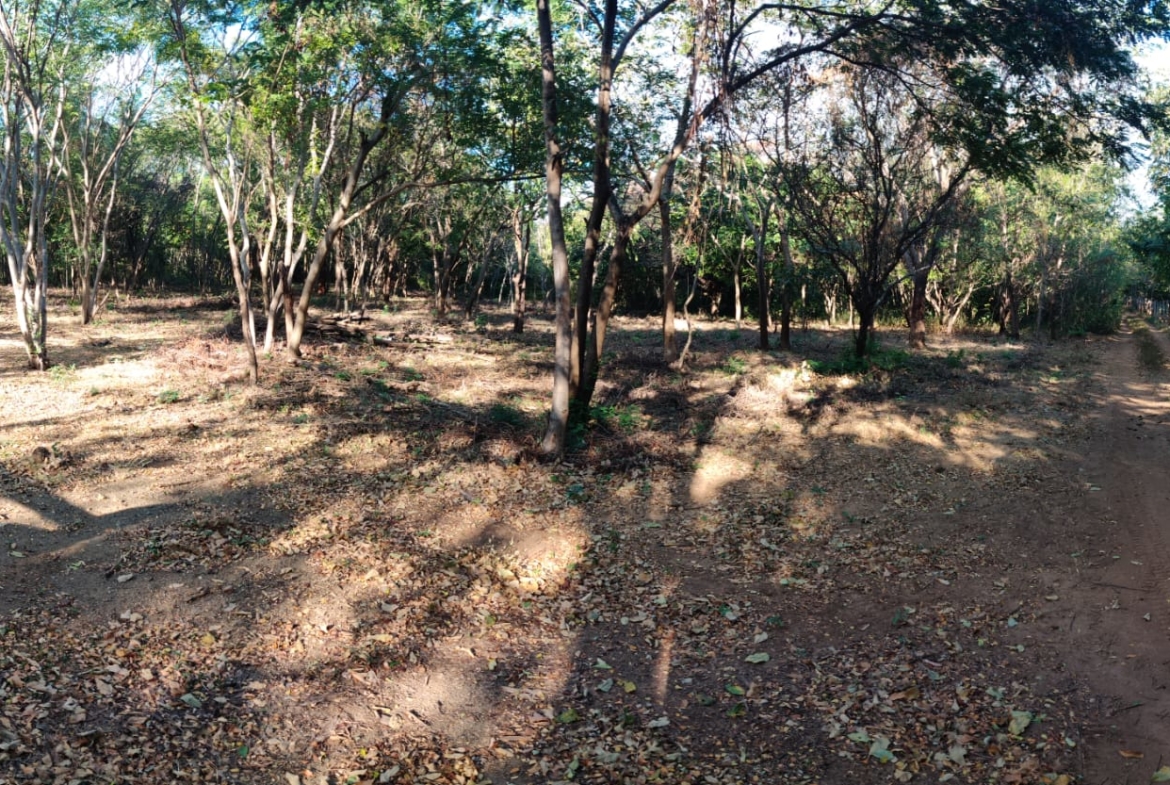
[(595, 344)]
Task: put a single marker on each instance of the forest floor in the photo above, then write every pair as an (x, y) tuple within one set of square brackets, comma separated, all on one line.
[(773, 568)]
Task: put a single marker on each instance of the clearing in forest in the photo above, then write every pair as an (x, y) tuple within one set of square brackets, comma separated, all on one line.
[(774, 568)]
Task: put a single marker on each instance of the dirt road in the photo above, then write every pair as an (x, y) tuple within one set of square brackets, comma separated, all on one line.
[(1114, 605)]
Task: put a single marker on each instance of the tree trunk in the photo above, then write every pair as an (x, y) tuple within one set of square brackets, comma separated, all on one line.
[(669, 341), (595, 343), (917, 312), (760, 234), (786, 289), (553, 443), (864, 330), (737, 282), (521, 234), (1011, 307)]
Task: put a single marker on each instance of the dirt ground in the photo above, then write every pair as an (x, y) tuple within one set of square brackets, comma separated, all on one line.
[(780, 568)]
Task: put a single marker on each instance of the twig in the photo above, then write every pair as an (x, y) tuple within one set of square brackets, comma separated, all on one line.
[(1115, 586)]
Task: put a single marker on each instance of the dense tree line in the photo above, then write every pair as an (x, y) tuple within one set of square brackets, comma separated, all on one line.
[(954, 163)]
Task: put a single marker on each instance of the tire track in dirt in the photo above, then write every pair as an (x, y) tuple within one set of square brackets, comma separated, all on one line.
[(1117, 599)]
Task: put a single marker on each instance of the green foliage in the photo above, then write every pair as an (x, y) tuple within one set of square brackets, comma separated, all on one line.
[(849, 364), (734, 366), (169, 396)]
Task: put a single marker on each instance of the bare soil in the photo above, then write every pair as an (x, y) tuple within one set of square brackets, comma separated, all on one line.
[(773, 568)]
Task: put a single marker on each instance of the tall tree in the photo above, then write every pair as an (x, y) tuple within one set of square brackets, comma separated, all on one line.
[(36, 39), (992, 58), (110, 104)]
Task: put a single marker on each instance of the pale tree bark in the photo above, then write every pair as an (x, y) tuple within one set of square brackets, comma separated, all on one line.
[(626, 222), (91, 170), (32, 102), (737, 281), (230, 183), (521, 238), (670, 350)]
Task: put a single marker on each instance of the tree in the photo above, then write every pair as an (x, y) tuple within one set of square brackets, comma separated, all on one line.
[(1014, 94), (868, 189), (216, 79), (110, 104), (37, 40)]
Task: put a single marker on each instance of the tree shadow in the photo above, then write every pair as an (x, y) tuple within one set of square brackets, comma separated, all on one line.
[(399, 588)]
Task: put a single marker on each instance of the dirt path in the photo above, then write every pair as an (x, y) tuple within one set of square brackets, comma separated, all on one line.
[(1116, 607)]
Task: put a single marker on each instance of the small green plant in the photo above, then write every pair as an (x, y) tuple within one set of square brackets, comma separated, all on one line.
[(342, 376), (168, 396), (629, 419), (300, 419), (62, 373), (481, 322), (734, 366), (575, 493), (956, 359), (849, 364), (411, 375), (603, 414)]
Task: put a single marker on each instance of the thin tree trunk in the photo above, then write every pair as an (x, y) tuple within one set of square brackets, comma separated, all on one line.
[(521, 234), (669, 341), (760, 234), (786, 289), (595, 343), (916, 316), (553, 443)]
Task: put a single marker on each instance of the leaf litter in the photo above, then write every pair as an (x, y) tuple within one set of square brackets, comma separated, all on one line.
[(719, 608)]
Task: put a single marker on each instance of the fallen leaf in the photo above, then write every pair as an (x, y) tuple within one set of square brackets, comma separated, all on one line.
[(1161, 775), (910, 693), (879, 750), (1132, 754), (757, 658), (1020, 722)]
